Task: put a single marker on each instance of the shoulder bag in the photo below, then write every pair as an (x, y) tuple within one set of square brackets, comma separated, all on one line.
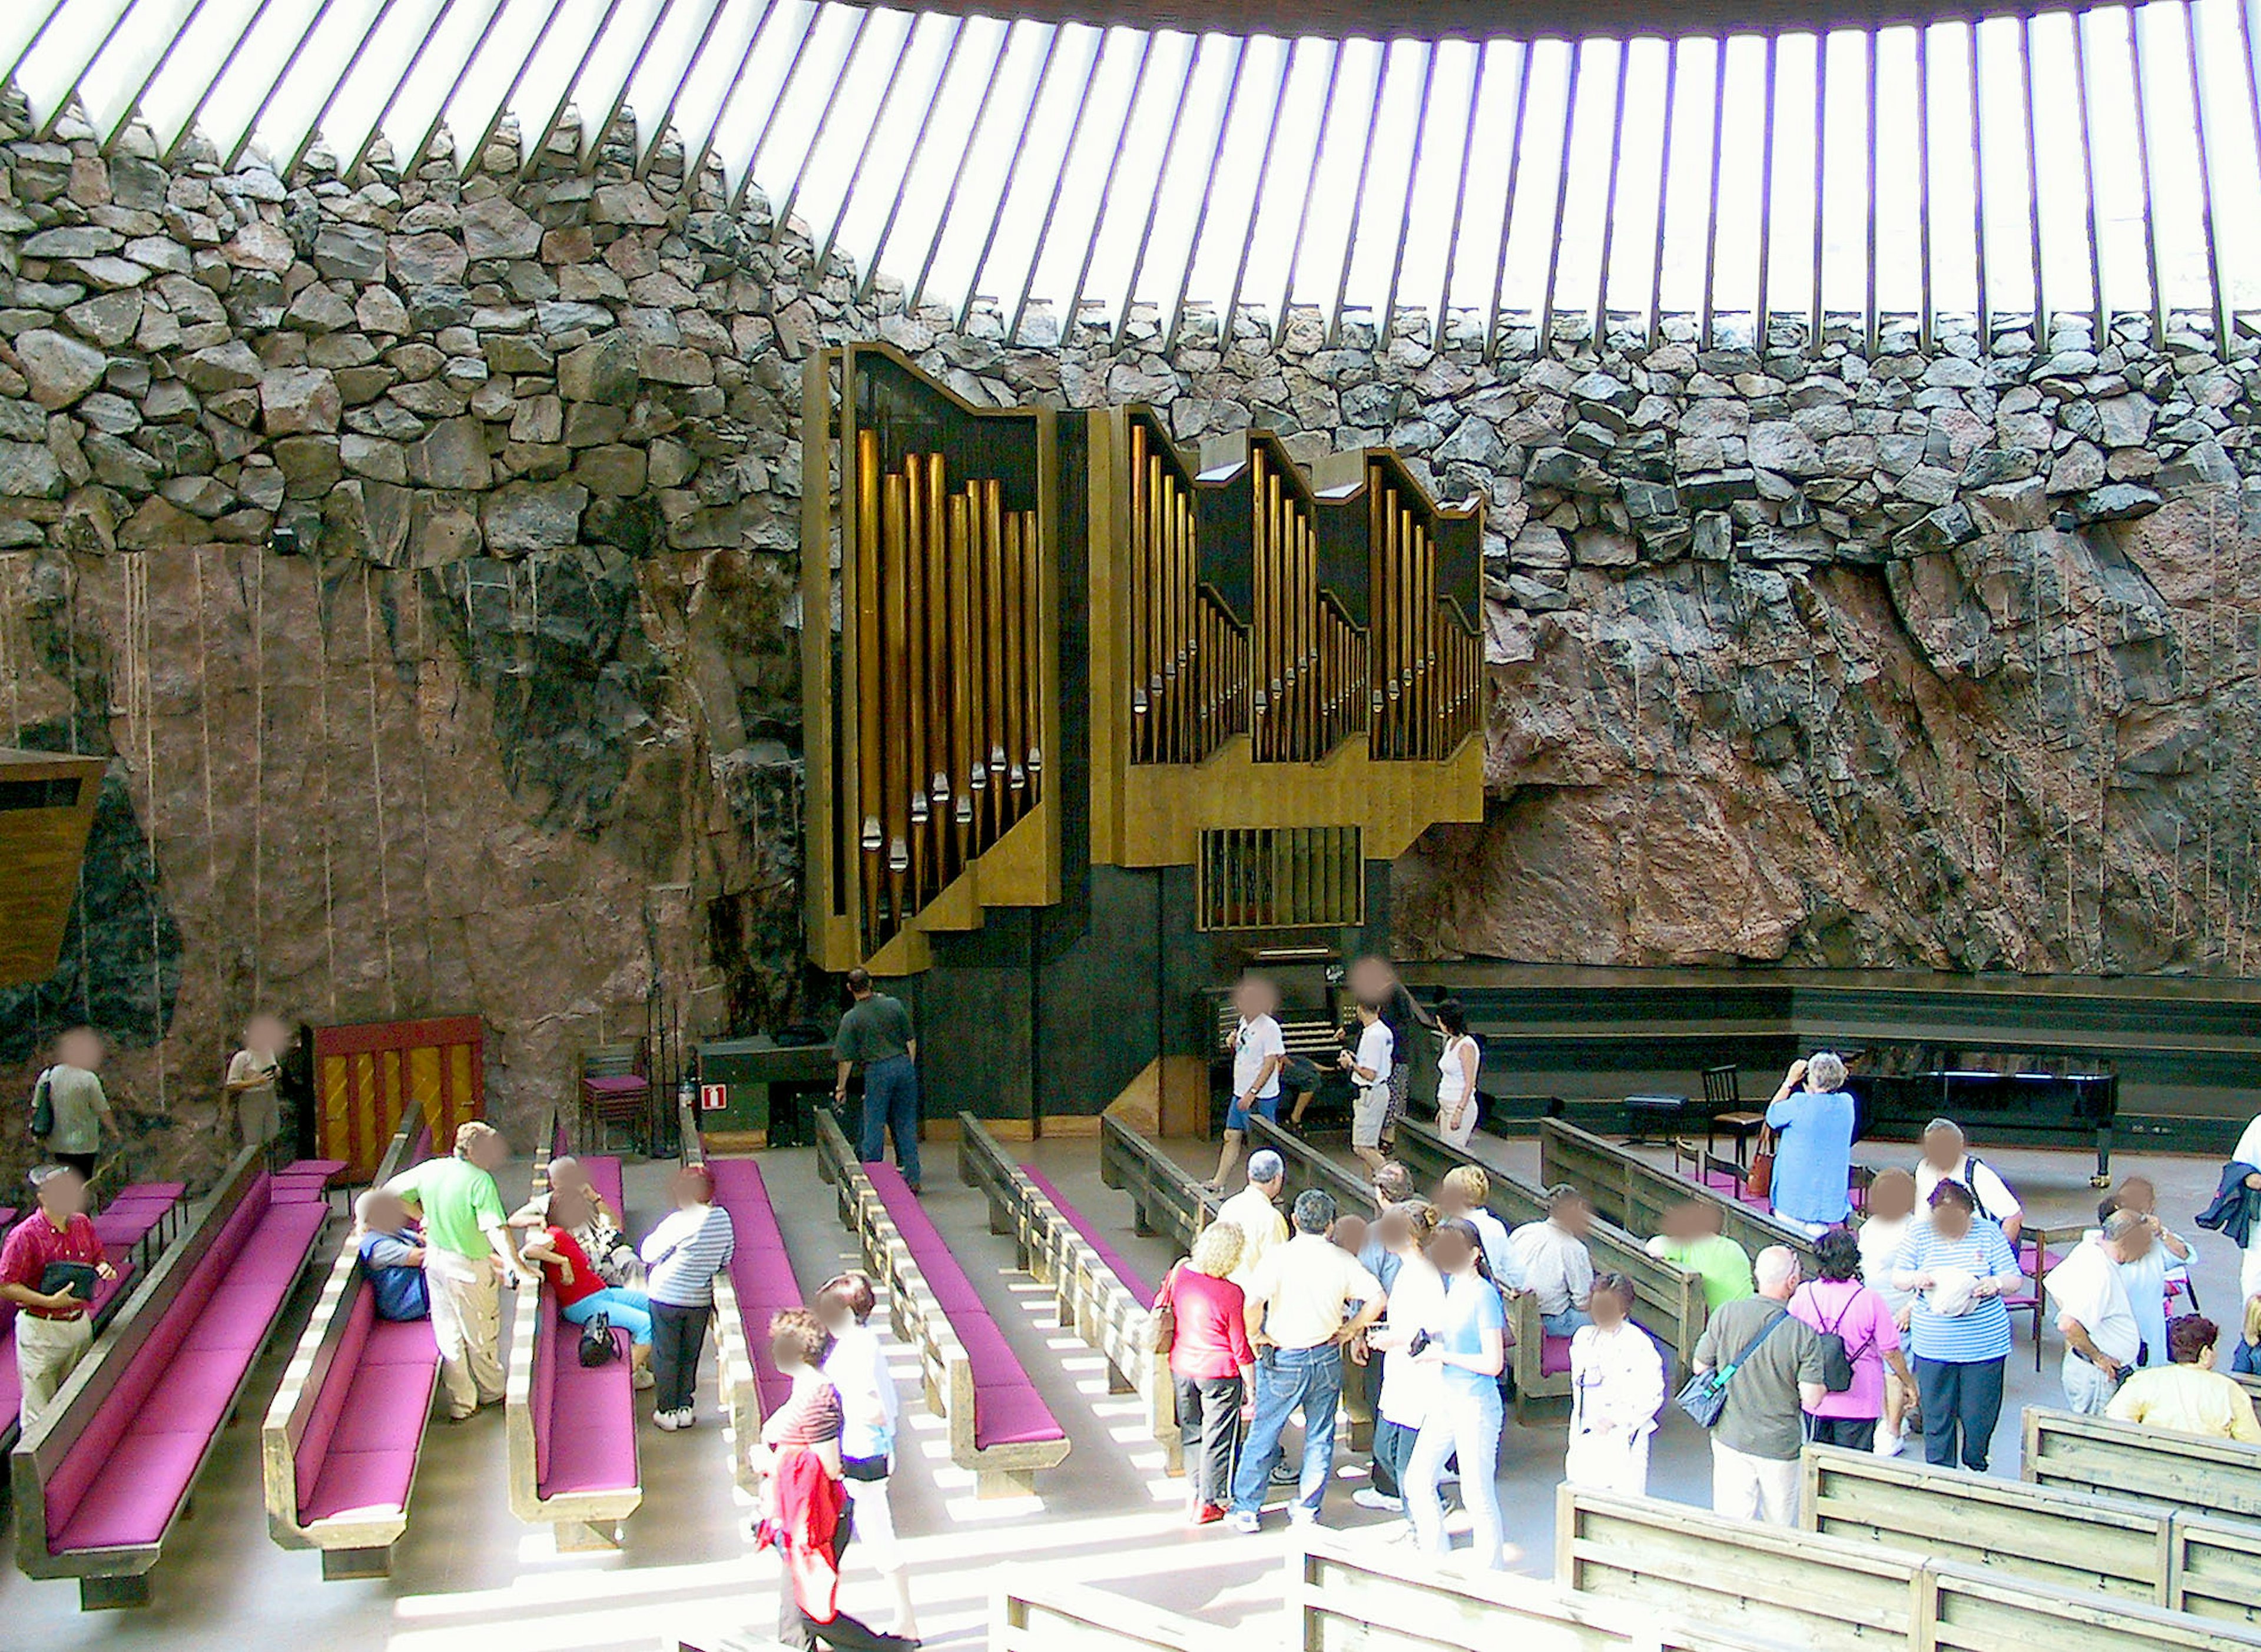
[(43, 1106), (597, 1344), (1758, 1179), (1704, 1395)]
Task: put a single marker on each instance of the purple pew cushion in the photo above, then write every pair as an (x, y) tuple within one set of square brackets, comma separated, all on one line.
[(327, 1169), (382, 1414), (168, 1191), (1012, 1414), (761, 1273), (1134, 1279), (583, 1417), (354, 1481), (618, 1085), (128, 1503), (1554, 1355)]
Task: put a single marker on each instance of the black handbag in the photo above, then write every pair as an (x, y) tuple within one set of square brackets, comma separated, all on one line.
[(597, 1344), (1704, 1395)]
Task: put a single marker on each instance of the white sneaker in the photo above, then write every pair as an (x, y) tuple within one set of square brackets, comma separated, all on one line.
[(666, 1421), (1367, 1497), (1299, 1515), (642, 1380), (1887, 1445), (1245, 1521)]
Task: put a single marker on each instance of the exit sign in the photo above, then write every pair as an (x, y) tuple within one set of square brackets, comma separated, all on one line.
[(713, 1098)]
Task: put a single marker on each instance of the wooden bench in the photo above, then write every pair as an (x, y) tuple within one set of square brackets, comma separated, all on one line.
[(759, 1281), (2098, 1544), (2154, 1465), (104, 1474), (131, 1264), (1635, 1194), (1000, 1427), (1344, 1597), (1668, 1300), (1028, 1614), (2216, 1571), (570, 1429), (1164, 1197), (1100, 1295), (1839, 1595), (340, 1446)]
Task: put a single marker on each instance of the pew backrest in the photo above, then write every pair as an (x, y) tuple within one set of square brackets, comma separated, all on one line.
[(2216, 1571), (1970, 1609), (1344, 1598), (1164, 1197), (2097, 1455), (1634, 1193), (1029, 1614)]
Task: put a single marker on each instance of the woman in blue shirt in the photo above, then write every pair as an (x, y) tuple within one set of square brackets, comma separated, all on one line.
[(1959, 1266), (1468, 1345), (1813, 1144)]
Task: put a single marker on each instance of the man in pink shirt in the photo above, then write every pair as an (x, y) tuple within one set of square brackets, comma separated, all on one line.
[(1838, 1302), (47, 1270)]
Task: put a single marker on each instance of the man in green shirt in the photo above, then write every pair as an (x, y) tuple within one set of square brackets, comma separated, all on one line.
[(467, 1253), (877, 1031), (1691, 1239), (82, 1110)]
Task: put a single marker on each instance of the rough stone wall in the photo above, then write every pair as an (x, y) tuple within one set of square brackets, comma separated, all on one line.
[(1933, 659)]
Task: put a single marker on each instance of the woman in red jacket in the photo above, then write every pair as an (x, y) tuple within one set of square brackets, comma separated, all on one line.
[(804, 1502)]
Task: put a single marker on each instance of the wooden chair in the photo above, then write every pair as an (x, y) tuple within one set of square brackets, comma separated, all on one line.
[(615, 1094), (1725, 1114)]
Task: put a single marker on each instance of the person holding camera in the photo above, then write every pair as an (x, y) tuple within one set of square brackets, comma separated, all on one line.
[(48, 1268), (1466, 1348)]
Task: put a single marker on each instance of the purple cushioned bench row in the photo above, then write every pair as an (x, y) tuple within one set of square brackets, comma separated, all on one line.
[(761, 1273), (122, 1479), (1007, 1408), (362, 1438), (1134, 1279), (583, 1416)]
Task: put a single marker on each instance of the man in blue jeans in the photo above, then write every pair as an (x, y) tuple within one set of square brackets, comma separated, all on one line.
[(1306, 1301), (877, 1032)]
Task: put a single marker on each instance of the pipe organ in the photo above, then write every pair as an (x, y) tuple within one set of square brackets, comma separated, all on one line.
[(1084, 704)]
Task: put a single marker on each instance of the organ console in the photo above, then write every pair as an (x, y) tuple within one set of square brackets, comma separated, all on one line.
[(1171, 706)]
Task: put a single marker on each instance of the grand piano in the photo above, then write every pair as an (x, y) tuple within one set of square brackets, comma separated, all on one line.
[(2023, 1103)]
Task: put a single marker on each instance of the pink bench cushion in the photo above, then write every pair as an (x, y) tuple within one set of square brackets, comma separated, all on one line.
[(619, 1085), (1554, 1355), (1007, 1408), (326, 1169), (761, 1273), (583, 1417), (1134, 1279), (123, 1480), (168, 1191)]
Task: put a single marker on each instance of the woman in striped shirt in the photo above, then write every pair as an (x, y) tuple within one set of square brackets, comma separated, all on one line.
[(1959, 1266), (683, 1254)]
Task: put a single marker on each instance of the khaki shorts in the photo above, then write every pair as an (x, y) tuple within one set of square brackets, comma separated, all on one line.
[(1368, 1114)]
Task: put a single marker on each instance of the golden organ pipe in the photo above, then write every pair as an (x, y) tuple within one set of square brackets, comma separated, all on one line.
[(936, 774), (1032, 655), (1009, 622), (993, 519), (895, 787), (915, 770), (1140, 595), (870, 757), (958, 552), (1183, 588)]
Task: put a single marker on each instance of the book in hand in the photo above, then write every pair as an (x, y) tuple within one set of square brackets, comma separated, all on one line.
[(77, 1278)]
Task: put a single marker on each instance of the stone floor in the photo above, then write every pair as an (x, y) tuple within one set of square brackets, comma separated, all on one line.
[(469, 1573)]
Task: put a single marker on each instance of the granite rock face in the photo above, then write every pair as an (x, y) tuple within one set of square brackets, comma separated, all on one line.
[(1839, 654)]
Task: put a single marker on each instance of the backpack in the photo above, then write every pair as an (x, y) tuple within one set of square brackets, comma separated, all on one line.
[(597, 1344), (1836, 1358), (43, 1105), (1971, 1165)]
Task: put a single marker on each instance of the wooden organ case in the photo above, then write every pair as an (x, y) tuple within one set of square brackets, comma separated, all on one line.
[(1092, 719)]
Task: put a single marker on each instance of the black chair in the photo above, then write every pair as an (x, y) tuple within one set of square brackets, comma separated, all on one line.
[(1723, 1103)]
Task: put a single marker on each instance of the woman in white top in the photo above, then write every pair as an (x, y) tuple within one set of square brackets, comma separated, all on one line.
[(1617, 1388), (857, 1367), (1456, 1075), (1409, 1388)]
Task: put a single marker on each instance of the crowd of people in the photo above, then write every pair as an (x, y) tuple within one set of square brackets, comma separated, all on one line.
[(1900, 1325)]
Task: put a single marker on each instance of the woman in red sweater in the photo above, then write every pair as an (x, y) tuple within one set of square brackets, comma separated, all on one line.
[(581, 1294), (1203, 1320)]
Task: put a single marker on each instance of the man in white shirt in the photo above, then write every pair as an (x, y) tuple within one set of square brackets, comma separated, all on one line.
[(2101, 1341), (1369, 1066), (1259, 1051), (1255, 1212), (1557, 1267), (1948, 1158), (1306, 1301)]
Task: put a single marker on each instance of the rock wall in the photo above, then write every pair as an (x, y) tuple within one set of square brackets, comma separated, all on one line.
[(1937, 657)]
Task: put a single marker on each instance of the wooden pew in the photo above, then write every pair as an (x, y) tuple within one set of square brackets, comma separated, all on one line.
[(734, 1354), (2099, 1545), (355, 1541), (2155, 1465), (1346, 1598), (583, 1518), (1635, 1194), (2216, 1569), (1164, 1197), (1838, 1595), (1005, 1469), (1669, 1301), (82, 1450), (1094, 1299), (1030, 1613)]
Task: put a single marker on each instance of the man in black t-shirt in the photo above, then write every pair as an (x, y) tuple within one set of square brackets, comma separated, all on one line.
[(877, 1032)]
